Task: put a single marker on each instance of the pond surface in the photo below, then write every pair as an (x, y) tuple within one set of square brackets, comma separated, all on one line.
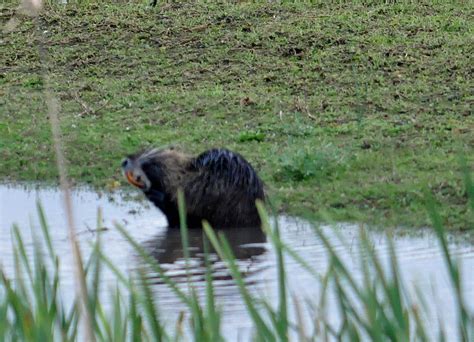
[(419, 255)]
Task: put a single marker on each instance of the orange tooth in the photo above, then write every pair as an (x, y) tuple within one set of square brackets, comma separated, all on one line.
[(132, 181)]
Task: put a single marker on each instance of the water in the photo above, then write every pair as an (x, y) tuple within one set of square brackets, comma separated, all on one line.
[(420, 259)]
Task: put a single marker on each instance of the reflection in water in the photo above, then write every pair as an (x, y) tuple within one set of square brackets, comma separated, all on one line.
[(246, 244), (167, 248)]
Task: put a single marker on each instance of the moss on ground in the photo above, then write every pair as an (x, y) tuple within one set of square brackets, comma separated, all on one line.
[(349, 111)]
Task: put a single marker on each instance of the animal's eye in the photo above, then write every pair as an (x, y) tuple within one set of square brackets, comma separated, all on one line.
[(125, 163)]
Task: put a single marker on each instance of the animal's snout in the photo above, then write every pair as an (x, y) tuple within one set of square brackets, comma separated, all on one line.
[(134, 175), (135, 180)]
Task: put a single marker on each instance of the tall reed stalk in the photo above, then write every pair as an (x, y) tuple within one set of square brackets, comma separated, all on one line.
[(53, 110)]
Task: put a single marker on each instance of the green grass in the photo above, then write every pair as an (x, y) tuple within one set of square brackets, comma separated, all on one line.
[(347, 110)]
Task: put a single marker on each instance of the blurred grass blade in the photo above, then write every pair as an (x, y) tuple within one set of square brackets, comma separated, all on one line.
[(224, 251), (466, 320), (212, 314), (154, 265), (468, 183), (183, 226), (45, 230), (150, 311), (135, 318), (282, 325), (279, 244)]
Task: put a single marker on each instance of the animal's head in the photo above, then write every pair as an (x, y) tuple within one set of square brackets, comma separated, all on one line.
[(161, 169), (132, 168)]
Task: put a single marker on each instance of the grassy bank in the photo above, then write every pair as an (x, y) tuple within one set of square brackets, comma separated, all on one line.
[(349, 110)]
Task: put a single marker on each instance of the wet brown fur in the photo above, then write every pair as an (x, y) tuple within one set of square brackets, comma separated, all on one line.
[(177, 172), (219, 186)]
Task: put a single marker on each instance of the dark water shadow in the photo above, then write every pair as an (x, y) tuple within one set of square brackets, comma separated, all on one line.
[(167, 248), (247, 245)]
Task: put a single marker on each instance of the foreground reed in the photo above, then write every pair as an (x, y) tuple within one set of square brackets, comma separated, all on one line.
[(32, 306)]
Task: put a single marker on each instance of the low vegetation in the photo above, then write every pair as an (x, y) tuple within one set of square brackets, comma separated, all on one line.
[(346, 109)]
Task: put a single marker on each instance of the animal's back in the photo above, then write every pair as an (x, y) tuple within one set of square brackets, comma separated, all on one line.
[(224, 189), (232, 170)]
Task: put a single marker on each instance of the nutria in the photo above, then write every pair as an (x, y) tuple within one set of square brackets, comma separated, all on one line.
[(219, 186)]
